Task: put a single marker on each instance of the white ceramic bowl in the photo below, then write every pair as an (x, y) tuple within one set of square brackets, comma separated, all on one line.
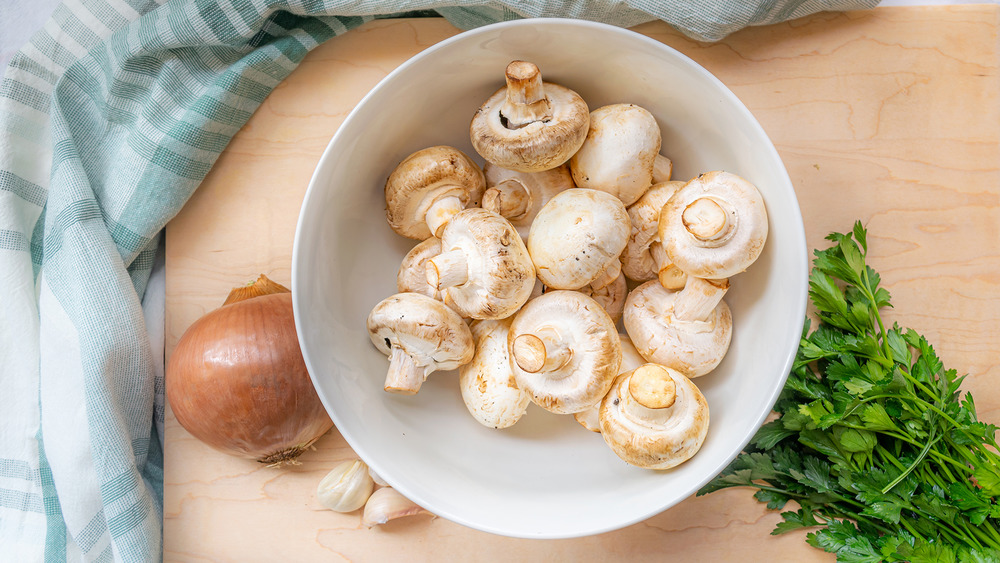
[(545, 477)]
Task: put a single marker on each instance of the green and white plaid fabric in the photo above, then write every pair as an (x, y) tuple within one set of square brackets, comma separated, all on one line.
[(110, 117)]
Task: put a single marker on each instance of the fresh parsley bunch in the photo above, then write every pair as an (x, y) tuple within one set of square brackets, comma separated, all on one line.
[(875, 443)]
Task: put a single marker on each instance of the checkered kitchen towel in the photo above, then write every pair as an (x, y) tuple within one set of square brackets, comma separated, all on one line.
[(109, 119)]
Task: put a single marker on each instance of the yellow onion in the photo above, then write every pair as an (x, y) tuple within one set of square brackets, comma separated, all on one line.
[(237, 380)]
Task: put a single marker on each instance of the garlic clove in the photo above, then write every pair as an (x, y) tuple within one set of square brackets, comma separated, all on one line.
[(347, 487), (377, 478), (387, 504)]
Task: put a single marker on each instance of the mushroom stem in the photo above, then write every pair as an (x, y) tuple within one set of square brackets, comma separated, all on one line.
[(526, 101), (670, 276), (699, 298), (509, 199), (608, 276), (651, 394), (708, 219), (663, 168), (543, 351), (652, 387), (441, 211), (404, 376), (448, 269)]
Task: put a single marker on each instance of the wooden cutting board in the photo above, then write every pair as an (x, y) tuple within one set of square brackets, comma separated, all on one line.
[(889, 116)]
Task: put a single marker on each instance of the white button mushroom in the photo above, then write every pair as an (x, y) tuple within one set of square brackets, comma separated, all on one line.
[(529, 125), (420, 335), (484, 269), (611, 297), (687, 330), (715, 226), (620, 152), (412, 274), (430, 186), (577, 237), (654, 417), (488, 387), (518, 196), (564, 351), (591, 418), (644, 258)]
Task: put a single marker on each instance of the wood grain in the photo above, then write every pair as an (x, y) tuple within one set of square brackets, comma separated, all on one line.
[(889, 116)]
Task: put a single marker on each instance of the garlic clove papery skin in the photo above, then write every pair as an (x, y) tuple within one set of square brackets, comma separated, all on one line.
[(346, 487), (387, 504)]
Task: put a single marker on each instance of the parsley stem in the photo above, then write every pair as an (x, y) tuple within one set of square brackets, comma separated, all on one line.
[(870, 295), (916, 462)]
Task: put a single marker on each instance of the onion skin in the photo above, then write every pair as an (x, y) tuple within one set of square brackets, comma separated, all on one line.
[(237, 382)]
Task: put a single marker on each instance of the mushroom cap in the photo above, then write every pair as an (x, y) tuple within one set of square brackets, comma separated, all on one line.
[(412, 274), (588, 333), (541, 186), (654, 438), (427, 330), (733, 248), (576, 236), (488, 386), (423, 177), (617, 156), (501, 275), (591, 417), (539, 145), (693, 348), (637, 263)]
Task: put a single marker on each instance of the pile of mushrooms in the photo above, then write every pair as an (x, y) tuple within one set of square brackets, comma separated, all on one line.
[(523, 272)]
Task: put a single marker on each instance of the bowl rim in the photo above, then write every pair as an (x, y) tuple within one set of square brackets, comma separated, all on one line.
[(800, 243)]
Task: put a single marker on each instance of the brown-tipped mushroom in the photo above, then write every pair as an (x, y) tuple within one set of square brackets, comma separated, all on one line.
[(654, 417), (529, 125), (591, 418), (420, 335), (488, 387), (620, 152), (483, 270), (644, 258), (429, 187), (577, 237), (715, 226), (687, 330), (564, 351), (518, 196)]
